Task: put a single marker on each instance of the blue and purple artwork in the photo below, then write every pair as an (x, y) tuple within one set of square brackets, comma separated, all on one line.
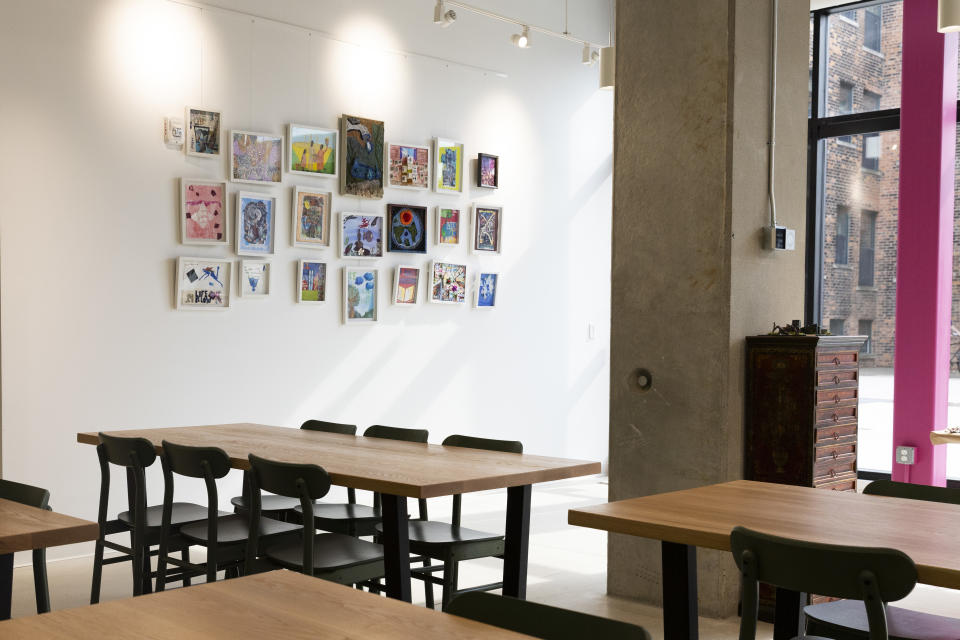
[(360, 295), (361, 236), (487, 290), (255, 217)]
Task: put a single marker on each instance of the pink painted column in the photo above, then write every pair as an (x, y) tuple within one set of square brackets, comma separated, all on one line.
[(925, 241)]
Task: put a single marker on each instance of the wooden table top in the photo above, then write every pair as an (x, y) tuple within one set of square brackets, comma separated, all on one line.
[(23, 528), (407, 469), (704, 517), (278, 604), (944, 437)]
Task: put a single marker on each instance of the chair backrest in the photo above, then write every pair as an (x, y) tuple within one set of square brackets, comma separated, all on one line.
[(136, 454), (24, 494), (128, 452), (874, 575), (196, 462), (540, 620), (912, 491), (396, 433), (473, 442), (330, 427)]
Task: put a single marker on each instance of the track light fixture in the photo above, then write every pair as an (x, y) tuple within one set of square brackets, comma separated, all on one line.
[(522, 39), (586, 57), (442, 17)]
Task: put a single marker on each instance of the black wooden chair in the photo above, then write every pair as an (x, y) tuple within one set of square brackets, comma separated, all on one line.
[(872, 576), (540, 620), (32, 497)]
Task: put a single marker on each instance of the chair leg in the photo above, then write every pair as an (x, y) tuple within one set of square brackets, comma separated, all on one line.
[(428, 587), (145, 571), (97, 572), (450, 568), (40, 580), (185, 556), (136, 564)]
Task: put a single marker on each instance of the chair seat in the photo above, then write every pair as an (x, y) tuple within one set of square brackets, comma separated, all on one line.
[(235, 528), (343, 511), (903, 624), (331, 551), (443, 533), (268, 502), (182, 513)]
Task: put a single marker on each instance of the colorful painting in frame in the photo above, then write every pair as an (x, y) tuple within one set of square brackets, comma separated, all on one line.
[(448, 283), (313, 282), (203, 283), (256, 220), (203, 212), (406, 288), (448, 172), (448, 226), (362, 172), (360, 295), (487, 228), (311, 218), (486, 292), (256, 157), (203, 132), (254, 279), (361, 235), (408, 166), (488, 171), (406, 228), (313, 150)]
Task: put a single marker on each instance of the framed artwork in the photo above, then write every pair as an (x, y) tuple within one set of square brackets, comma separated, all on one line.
[(448, 283), (360, 295), (254, 279), (256, 220), (408, 166), (488, 171), (448, 226), (203, 212), (406, 286), (312, 287), (486, 291), (256, 157), (311, 218), (361, 235), (313, 150), (362, 171), (448, 170), (487, 227), (203, 132), (406, 228), (203, 283)]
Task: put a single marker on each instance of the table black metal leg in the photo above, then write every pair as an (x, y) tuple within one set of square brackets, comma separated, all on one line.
[(517, 542), (6, 584), (396, 546), (679, 576), (787, 617)]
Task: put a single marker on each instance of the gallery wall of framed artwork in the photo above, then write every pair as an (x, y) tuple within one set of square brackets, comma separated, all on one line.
[(312, 282), (448, 166), (204, 218), (361, 293), (362, 172), (406, 228), (448, 283), (203, 132), (202, 284), (487, 229), (254, 279), (256, 158), (406, 286), (256, 222), (313, 151), (311, 218), (408, 166)]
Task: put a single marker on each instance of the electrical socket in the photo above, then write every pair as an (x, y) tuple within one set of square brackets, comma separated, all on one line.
[(906, 455)]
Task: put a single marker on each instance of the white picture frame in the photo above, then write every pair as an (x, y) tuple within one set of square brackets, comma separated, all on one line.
[(304, 283), (245, 247), (347, 218), (350, 275), (403, 298), (438, 226), (388, 164), (445, 292), (190, 200), (479, 237), (300, 193), (190, 277), (294, 130), (482, 300), (440, 178), (275, 169), (249, 269), (190, 134)]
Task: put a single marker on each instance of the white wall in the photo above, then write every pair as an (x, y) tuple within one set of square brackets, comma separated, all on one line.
[(89, 235)]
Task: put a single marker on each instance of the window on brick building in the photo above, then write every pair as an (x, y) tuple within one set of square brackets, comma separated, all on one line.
[(842, 237), (865, 328), (871, 101), (836, 326), (870, 153), (868, 238), (845, 105), (872, 28), (849, 16)]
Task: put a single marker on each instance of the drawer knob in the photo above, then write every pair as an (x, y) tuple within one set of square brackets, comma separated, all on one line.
[(836, 360), (836, 398), (836, 436), (832, 473), (836, 379), (836, 418), (835, 456)]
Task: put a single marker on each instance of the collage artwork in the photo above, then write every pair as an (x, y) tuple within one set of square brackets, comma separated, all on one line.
[(361, 236), (409, 166), (449, 284), (203, 284), (204, 214), (255, 220), (311, 218), (362, 174), (408, 228), (256, 157)]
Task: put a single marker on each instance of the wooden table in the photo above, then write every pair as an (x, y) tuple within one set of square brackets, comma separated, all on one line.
[(278, 604), (944, 437), (704, 517), (24, 528), (398, 470)]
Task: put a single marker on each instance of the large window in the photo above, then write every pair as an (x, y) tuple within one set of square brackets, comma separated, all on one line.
[(872, 28)]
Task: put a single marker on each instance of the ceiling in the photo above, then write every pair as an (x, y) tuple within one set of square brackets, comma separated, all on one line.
[(823, 4)]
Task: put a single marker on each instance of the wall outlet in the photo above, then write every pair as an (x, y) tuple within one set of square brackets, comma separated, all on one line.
[(906, 455), (779, 238)]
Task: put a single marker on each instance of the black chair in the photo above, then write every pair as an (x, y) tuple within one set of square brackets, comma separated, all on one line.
[(143, 523), (224, 535), (847, 620), (540, 620), (332, 556), (32, 497), (871, 575)]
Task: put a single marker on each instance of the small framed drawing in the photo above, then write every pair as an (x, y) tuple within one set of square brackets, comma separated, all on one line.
[(406, 286), (362, 141), (406, 228), (361, 288), (256, 157), (313, 150), (487, 229), (448, 226), (254, 279), (203, 283), (203, 132), (488, 171), (486, 291), (256, 220), (361, 235), (448, 283), (312, 277), (203, 212), (448, 169), (408, 166), (311, 218)]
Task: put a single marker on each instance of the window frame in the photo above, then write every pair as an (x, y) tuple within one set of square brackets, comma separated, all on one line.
[(843, 213), (867, 251), (866, 29)]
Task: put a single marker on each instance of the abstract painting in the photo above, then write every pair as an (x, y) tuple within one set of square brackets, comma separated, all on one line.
[(360, 289), (448, 226), (488, 171), (256, 217), (406, 228), (313, 150), (487, 223), (311, 218), (255, 157), (487, 290), (448, 283), (408, 166), (448, 172), (313, 282), (406, 286), (203, 133), (254, 279), (362, 172), (361, 235), (203, 283), (203, 212)]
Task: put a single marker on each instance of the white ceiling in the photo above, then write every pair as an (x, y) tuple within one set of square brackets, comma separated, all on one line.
[(823, 4)]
